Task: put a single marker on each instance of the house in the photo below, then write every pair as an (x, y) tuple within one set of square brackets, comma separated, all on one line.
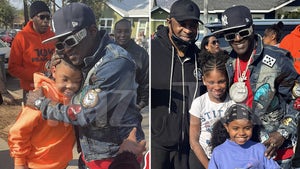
[(260, 9), (137, 11)]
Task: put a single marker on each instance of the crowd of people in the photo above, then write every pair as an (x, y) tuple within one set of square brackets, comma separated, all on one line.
[(210, 108)]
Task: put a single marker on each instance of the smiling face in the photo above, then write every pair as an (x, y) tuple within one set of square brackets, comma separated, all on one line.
[(122, 33), (216, 83), (185, 30), (243, 42), (239, 130), (67, 78)]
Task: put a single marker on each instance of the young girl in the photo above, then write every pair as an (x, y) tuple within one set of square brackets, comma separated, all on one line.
[(238, 151), (208, 108)]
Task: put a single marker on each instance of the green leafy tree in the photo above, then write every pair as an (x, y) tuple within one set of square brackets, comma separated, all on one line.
[(6, 14)]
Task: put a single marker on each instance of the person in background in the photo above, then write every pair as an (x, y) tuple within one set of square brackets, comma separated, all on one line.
[(210, 44), (291, 43), (263, 78), (272, 34), (175, 82), (28, 55), (208, 108), (37, 143), (238, 150), (104, 110), (122, 32)]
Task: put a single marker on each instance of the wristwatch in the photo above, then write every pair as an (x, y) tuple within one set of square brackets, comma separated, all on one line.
[(284, 133), (38, 103)]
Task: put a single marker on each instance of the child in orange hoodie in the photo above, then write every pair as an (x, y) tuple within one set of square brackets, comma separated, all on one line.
[(37, 143)]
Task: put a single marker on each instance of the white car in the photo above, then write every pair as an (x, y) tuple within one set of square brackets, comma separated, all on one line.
[(4, 49)]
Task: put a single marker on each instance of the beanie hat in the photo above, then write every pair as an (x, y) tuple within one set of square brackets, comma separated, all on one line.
[(37, 7)]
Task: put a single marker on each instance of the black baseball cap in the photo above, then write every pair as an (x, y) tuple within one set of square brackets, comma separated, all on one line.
[(235, 17), (184, 10), (70, 19)]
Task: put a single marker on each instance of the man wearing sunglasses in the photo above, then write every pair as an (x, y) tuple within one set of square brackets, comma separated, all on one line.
[(28, 55), (104, 111), (263, 78)]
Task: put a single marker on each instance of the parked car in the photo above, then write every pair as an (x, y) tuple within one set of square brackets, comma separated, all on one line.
[(5, 49), (6, 37), (259, 27)]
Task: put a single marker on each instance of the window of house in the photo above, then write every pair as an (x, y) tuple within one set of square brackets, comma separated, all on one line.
[(142, 27), (106, 24)]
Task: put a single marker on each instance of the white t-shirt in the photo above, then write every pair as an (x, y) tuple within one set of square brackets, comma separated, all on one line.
[(208, 112)]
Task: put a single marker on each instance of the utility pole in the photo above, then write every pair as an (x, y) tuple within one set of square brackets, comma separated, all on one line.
[(26, 18), (205, 16)]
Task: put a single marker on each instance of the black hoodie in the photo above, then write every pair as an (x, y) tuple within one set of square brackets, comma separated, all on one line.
[(176, 80)]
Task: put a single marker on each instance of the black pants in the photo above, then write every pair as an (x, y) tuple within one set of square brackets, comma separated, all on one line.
[(194, 161), (164, 159)]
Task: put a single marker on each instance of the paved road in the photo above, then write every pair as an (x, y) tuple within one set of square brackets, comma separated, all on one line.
[(6, 162)]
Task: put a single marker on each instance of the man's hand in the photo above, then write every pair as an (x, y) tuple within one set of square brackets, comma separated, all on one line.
[(273, 143), (130, 144), (33, 96)]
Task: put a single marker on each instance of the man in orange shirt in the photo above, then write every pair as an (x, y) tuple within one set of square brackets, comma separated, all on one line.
[(38, 143), (28, 55)]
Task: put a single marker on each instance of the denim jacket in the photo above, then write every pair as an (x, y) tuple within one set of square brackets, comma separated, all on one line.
[(105, 108), (272, 77)]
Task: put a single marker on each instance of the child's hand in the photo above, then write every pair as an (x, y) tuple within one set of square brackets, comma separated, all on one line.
[(21, 167), (130, 144)]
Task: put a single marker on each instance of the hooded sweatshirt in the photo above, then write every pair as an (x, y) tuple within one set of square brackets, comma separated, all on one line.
[(291, 43), (175, 83), (28, 55), (40, 143)]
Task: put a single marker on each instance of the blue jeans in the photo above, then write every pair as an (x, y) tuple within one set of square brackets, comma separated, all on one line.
[(285, 164)]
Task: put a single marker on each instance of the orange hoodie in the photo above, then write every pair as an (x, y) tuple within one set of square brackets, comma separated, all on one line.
[(291, 42), (28, 55), (40, 143)]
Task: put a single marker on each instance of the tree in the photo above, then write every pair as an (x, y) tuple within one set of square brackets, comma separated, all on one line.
[(6, 14)]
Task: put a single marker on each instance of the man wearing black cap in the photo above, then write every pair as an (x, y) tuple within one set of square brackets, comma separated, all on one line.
[(263, 78), (28, 55), (105, 109), (175, 81)]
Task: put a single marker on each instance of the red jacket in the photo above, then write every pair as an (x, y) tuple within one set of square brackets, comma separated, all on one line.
[(28, 55)]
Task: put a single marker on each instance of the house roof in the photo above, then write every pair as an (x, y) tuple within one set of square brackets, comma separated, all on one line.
[(217, 6), (130, 8)]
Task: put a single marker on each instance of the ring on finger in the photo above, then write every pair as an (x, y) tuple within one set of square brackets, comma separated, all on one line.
[(272, 145)]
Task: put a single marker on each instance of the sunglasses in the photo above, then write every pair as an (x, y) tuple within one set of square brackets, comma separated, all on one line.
[(71, 40), (242, 33), (42, 17), (214, 42)]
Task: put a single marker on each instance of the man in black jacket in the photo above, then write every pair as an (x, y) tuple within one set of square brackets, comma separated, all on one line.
[(122, 34), (175, 82)]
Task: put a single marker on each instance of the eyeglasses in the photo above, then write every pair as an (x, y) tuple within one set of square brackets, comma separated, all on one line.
[(214, 42), (42, 17), (71, 40), (242, 33)]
